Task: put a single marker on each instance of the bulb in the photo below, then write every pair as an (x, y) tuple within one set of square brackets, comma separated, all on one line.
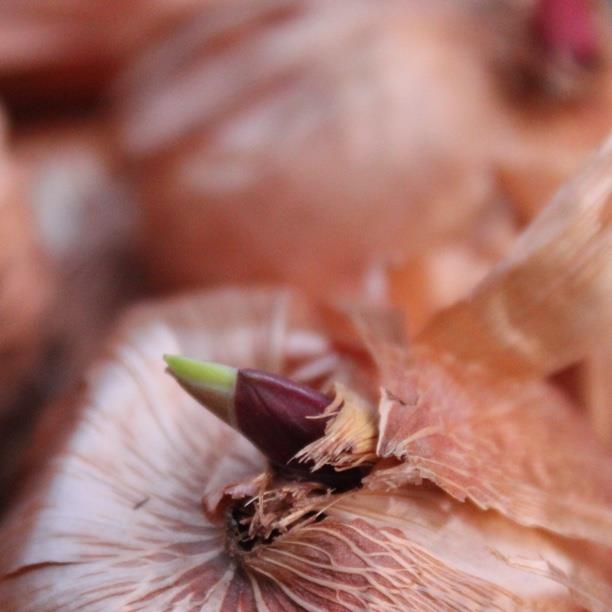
[(285, 130), (300, 125), (149, 500)]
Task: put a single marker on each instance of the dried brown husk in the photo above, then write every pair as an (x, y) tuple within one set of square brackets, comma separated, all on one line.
[(547, 304), (467, 406), (423, 285), (350, 434), (553, 113), (114, 519), (516, 447)]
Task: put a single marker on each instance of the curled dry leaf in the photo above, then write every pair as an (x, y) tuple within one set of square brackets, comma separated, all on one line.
[(547, 304), (519, 448), (468, 409), (115, 518)]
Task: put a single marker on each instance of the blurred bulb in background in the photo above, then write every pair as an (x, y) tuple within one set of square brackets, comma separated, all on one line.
[(330, 141)]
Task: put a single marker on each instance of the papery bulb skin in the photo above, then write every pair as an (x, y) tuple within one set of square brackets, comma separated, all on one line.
[(546, 306), (114, 519), (369, 139), (561, 107)]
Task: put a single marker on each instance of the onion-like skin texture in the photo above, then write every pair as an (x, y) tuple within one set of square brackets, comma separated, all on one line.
[(66, 235), (547, 304), (114, 518)]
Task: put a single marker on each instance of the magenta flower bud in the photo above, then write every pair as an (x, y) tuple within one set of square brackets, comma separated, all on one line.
[(278, 416)]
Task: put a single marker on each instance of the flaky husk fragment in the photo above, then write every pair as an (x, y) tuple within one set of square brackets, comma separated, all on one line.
[(350, 434), (547, 304), (467, 407), (519, 448), (115, 517)]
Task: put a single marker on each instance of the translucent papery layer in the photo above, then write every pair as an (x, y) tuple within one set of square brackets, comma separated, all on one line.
[(548, 304), (468, 406), (519, 448), (140, 449), (115, 518)]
